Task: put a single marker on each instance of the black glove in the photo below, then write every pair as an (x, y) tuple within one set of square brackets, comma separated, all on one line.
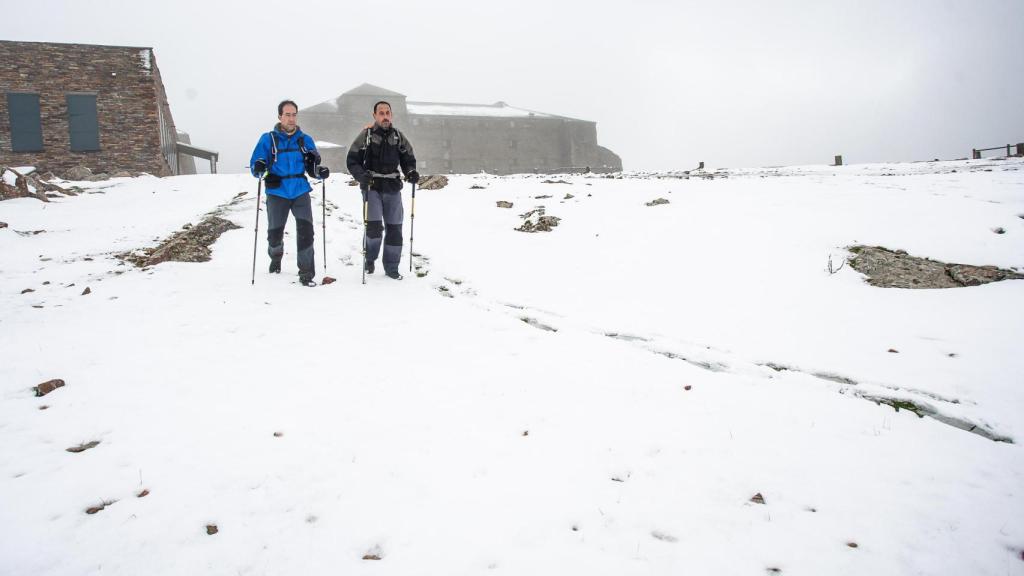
[(364, 179), (272, 181), (413, 176), (311, 160), (259, 168), (323, 172)]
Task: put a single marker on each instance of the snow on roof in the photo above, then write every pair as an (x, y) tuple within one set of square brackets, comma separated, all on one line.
[(146, 55), (499, 110)]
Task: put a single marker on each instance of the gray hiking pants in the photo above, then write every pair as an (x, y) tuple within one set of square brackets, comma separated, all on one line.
[(385, 216), (277, 216)]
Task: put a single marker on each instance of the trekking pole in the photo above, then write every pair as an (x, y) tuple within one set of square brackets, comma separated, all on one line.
[(256, 234), (364, 234), (323, 188), (412, 225)]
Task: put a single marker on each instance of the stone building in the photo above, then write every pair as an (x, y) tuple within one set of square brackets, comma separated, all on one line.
[(463, 138), (68, 105)]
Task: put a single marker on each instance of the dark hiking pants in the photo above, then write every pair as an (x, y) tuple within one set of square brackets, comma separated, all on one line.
[(277, 216), (384, 218)]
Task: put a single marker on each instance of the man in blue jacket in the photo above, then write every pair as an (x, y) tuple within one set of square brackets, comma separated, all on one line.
[(283, 157)]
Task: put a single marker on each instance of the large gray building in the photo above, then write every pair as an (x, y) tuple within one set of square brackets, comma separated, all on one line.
[(463, 138)]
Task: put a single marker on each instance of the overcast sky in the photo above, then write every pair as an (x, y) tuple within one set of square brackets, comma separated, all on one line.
[(732, 83)]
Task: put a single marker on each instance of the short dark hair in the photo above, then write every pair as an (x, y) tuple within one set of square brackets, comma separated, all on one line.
[(280, 107), (379, 103)]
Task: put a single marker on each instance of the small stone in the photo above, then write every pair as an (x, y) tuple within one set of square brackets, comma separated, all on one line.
[(656, 202), (94, 509), (371, 557), (476, 187), (83, 447), (211, 529), (87, 291), (48, 386), (44, 407), (687, 387), (757, 498), (999, 230), (568, 197), (575, 528), (852, 544), (893, 351), (526, 432), (278, 434), (27, 290), (47, 283), (504, 204), (327, 280), (142, 494), (3, 225)]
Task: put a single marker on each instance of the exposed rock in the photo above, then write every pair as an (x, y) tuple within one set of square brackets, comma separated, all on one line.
[(435, 182), (87, 291), (757, 498), (98, 177), (897, 269), (142, 494), (47, 387), (893, 351), (656, 202), (122, 174), (20, 188), (504, 204), (555, 182), (78, 173), (999, 230), (568, 196), (543, 224), (3, 225), (327, 280), (663, 536), (27, 290), (83, 447), (477, 187), (191, 245), (543, 196), (211, 529), (852, 544)]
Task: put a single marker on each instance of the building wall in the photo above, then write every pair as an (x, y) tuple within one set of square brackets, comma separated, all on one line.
[(136, 130), (468, 144)]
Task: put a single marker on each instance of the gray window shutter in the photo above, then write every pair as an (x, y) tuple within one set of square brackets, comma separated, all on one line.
[(82, 122), (26, 127)]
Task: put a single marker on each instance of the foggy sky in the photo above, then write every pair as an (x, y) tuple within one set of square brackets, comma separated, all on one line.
[(733, 83)]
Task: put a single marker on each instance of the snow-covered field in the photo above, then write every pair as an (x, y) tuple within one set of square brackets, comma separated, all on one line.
[(604, 398)]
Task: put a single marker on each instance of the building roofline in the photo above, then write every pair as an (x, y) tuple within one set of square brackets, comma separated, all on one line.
[(75, 44)]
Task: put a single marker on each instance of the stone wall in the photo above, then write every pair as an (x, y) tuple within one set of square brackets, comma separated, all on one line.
[(130, 101)]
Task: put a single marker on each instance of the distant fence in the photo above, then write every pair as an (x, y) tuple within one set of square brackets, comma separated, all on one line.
[(976, 152)]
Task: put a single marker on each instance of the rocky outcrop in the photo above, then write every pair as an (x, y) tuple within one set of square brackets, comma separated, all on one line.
[(896, 269)]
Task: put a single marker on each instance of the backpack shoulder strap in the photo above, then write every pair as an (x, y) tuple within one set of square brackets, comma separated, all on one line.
[(273, 148)]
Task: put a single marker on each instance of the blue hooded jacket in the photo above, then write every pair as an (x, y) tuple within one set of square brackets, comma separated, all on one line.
[(289, 165)]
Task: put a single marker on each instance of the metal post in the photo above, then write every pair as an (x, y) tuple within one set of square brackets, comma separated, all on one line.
[(975, 154), (839, 159)]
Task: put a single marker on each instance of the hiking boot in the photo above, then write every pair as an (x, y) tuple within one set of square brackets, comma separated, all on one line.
[(393, 274), (369, 267), (307, 281), (275, 266)]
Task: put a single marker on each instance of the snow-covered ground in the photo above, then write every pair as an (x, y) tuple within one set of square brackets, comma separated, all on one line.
[(604, 398)]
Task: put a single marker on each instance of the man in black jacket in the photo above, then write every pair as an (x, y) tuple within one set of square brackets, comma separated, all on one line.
[(374, 160)]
